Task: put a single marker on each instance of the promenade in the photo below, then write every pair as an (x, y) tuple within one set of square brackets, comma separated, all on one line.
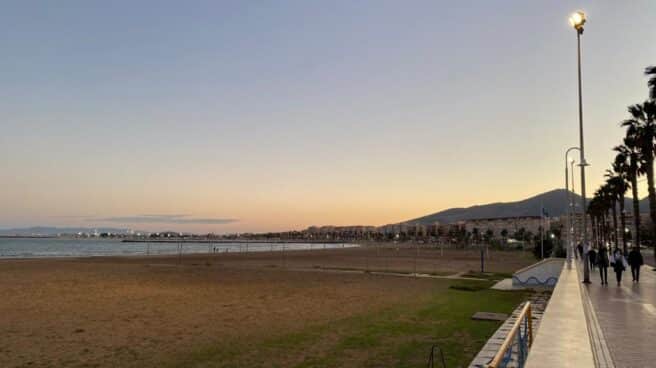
[(598, 326), (626, 315)]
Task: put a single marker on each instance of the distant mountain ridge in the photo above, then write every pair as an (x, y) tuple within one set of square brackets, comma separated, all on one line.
[(554, 202)]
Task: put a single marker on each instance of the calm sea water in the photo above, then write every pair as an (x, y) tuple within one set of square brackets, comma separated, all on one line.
[(43, 248)]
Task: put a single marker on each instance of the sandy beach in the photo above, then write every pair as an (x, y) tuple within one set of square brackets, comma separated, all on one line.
[(146, 311)]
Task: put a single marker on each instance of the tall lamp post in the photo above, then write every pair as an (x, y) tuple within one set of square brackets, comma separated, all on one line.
[(568, 198), (577, 20)]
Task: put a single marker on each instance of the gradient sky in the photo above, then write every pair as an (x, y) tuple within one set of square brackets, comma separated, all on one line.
[(285, 114)]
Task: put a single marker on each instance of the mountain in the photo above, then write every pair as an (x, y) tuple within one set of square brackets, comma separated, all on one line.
[(554, 203), (47, 230)]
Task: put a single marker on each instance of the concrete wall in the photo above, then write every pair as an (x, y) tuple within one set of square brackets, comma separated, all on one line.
[(542, 274)]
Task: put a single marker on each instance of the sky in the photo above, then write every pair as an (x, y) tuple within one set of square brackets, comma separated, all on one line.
[(235, 116)]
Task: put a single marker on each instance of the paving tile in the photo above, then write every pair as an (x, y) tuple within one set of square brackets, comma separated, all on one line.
[(627, 316)]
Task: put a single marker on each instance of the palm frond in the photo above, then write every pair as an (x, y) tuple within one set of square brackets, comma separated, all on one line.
[(651, 83)]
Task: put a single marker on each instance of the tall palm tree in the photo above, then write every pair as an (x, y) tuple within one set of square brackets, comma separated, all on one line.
[(622, 168), (618, 186), (650, 71), (642, 128), (611, 199), (628, 158), (596, 209), (608, 200), (592, 212)]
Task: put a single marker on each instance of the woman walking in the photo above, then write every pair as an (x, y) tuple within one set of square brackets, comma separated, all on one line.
[(619, 265), (602, 262)]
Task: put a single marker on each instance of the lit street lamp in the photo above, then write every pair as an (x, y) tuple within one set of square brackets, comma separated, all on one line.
[(568, 198), (577, 20)]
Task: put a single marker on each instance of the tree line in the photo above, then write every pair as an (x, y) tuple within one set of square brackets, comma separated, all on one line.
[(634, 158)]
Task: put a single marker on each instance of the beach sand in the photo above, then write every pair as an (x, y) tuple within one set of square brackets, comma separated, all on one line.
[(147, 311)]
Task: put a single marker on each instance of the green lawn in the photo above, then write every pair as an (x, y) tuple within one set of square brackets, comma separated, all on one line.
[(399, 336)]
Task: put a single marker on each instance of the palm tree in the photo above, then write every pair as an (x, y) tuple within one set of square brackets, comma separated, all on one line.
[(609, 207), (618, 186), (611, 200), (595, 211), (650, 71), (603, 203), (642, 128), (628, 160), (593, 224), (624, 181)]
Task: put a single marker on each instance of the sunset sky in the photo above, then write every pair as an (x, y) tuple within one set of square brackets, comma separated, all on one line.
[(272, 115)]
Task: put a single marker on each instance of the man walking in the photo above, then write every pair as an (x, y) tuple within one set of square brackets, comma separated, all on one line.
[(635, 261), (603, 264), (592, 256)]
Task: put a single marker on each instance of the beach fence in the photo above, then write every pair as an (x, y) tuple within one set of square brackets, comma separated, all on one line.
[(408, 258)]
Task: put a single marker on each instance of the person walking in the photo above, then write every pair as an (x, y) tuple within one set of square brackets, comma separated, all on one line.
[(602, 262), (619, 265), (592, 256), (579, 248), (635, 261)]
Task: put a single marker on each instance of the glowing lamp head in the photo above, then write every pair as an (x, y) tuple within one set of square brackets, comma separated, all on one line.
[(577, 20)]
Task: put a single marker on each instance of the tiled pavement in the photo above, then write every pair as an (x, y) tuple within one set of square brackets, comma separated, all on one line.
[(627, 316)]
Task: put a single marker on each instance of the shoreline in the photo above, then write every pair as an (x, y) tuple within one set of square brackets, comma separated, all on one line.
[(176, 255)]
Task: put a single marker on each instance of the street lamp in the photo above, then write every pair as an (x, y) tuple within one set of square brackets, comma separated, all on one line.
[(577, 20), (568, 198)]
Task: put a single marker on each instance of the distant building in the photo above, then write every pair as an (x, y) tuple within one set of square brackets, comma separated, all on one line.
[(510, 224)]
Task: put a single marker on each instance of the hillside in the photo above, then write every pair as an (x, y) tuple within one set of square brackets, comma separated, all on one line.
[(554, 203)]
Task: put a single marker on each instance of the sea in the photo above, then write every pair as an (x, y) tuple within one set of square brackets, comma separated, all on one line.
[(58, 247)]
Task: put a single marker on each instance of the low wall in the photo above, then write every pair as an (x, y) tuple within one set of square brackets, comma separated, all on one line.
[(542, 274), (562, 339)]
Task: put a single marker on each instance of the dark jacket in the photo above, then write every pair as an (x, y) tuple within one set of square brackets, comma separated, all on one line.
[(635, 258), (602, 259)]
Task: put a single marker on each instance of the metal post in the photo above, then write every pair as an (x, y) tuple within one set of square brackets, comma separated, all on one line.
[(583, 163), (570, 237), (569, 217), (542, 232), (572, 204), (416, 254)]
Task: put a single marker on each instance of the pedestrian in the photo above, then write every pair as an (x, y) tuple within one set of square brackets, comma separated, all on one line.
[(579, 248), (619, 265), (592, 257), (602, 262), (635, 261)]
